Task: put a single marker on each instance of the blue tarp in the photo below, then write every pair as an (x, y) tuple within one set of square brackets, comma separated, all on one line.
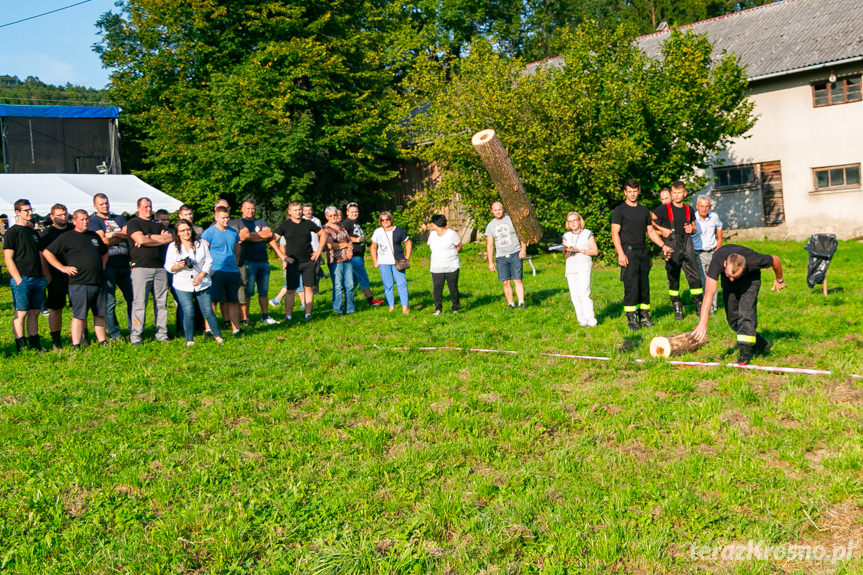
[(8, 110)]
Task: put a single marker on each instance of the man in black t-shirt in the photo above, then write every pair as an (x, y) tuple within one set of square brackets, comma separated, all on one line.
[(740, 269), (629, 222), (28, 270), (85, 256), (358, 264), (680, 220), (148, 272), (254, 235), (58, 287), (297, 255)]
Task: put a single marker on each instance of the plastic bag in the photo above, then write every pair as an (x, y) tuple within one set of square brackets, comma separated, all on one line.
[(821, 248)]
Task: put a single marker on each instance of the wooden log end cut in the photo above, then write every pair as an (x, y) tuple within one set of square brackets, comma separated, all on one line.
[(660, 347), (675, 345), (482, 137)]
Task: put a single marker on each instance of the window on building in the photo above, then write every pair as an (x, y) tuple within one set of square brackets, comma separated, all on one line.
[(835, 177), (734, 176), (842, 91)]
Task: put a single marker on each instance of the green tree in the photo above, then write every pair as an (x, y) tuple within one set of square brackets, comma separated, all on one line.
[(647, 15), (236, 98), (33, 92), (575, 131)]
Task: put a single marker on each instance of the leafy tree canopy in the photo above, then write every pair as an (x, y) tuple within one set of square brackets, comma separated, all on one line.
[(237, 98), (281, 100), (576, 131)]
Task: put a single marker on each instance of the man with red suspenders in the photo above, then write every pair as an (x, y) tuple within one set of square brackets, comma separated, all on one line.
[(680, 219)]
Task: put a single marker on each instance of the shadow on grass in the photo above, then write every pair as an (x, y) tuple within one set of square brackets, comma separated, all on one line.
[(631, 342)]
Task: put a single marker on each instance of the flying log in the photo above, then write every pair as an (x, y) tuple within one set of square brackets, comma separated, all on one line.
[(675, 345), (512, 194)]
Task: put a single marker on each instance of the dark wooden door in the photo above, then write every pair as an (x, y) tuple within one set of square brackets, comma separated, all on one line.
[(771, 193)]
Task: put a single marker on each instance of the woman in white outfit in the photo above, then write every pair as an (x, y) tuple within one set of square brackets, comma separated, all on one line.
[(579, 247)]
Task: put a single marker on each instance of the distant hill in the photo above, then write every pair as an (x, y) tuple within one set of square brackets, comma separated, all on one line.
[(33, 92)]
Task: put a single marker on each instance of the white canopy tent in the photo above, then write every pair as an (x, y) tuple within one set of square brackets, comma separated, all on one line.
[(76, 191)]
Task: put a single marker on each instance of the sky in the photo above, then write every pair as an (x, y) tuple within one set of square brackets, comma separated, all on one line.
[(56, 48)]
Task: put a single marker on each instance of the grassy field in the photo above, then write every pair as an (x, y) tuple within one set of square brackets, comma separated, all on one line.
[(336, 446)]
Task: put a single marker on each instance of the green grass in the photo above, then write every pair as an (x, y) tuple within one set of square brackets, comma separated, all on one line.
[(335, 446)]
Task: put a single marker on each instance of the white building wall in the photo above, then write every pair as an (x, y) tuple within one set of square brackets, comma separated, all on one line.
[(789, 129)]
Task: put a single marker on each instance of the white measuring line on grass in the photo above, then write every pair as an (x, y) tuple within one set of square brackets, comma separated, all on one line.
[(769, 368)]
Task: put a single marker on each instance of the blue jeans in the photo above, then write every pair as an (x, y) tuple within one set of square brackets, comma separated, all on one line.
[(342, 275), (186, 300), (117, 278), (389, 276), (257, 273), (30, 294), (361, 278)]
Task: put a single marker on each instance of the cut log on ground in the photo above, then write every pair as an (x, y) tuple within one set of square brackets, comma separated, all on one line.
[(675, 345), (512, 194)]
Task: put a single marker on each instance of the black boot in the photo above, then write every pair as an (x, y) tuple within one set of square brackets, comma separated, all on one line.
[(644, 317), (678, 310), (632, 321), (20, 344), (762, 345), (55, 339), (697, 300), (745, 354)]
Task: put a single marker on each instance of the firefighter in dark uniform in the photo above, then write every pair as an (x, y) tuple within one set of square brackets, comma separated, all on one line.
[(740, 269), (678, 219), (629, 222)]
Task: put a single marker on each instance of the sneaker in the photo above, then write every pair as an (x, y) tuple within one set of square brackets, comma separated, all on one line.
[(271, 321), (287, 319), (437, 312), (207, 334), (190, 343), (307, 317), (219, 341), (237, 332), (274, 303), (247, 324), (510, 306), (376, 302), (521, 305)]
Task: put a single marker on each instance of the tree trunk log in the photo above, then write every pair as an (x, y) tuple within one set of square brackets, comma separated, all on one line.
[(675, 345), (512, 194)]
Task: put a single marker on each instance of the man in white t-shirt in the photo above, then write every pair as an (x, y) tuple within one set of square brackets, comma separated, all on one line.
[(504, 252)]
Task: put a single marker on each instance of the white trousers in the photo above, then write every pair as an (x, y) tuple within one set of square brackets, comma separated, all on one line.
[(579, 292)]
